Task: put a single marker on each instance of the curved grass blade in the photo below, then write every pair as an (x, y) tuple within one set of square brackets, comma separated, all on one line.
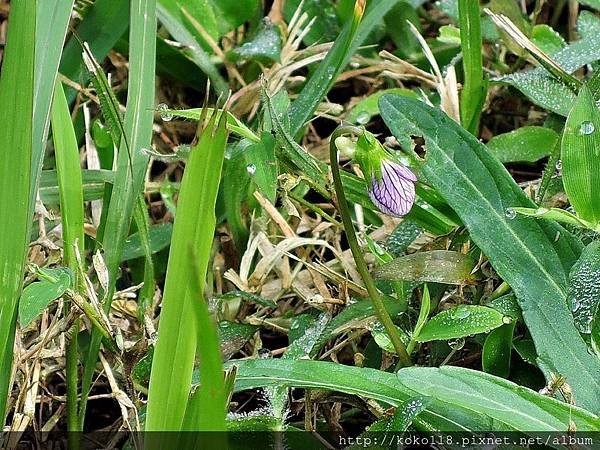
[(345, 46), (105, 22), (461, 399), (198, 55), (130, 175), (525, 253), (51, 29), (16, 142)]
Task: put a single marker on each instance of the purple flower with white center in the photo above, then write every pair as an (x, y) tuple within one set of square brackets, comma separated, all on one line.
[(392, 189)]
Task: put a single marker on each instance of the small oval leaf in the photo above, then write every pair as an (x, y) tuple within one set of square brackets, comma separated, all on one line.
[(526, 144), (462, 321), (437, 266), (39, 294)]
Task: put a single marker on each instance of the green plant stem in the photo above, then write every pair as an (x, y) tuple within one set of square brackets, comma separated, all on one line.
[(72, 361), (361, 264), (473, 94), (315, 209)]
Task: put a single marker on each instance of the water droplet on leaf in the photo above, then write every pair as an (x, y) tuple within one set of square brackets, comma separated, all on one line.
[(586, 128), (251, 168), (456, 344), (558, 165), (510, 213), (461, 312), (363, 118), (163, 110)]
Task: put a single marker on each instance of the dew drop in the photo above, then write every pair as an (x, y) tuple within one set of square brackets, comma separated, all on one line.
[(461, 312), (586, 128), (456, 344), (510, 213), (506, 319), (363, 118), (251, 168), (558, 165), (163, 110)]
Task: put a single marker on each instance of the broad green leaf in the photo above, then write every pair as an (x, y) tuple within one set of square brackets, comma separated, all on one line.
[(382, 338), (235, 192), (548, 40), (544, 90), (397, 25), (525, 144), (141, 370), (232, 14), (261, 164), (526, 350), (17, 98), (326, 26), (366, 109), (264, 45), (461, 399), (461, 321), (304, 345), (584, 287), (38, 295), (524, 252), (507, 305), (505, 402), (233, 336), (449, 34), (495, 358), (595, 334), (437, 266), (402, 236), (580, 154), (592, 3), (376, 437), (159, 238)]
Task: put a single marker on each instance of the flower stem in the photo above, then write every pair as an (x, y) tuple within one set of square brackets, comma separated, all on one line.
[(361, 264)]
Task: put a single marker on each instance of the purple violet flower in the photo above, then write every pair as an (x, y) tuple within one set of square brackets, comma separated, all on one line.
[(393, 192)]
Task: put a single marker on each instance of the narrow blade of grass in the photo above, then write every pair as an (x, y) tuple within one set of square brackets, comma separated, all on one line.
[(324, 77), (131, 167), (193, 233), (103, 25), (51, 29), (16, 141), (70, 186), (474, 89)]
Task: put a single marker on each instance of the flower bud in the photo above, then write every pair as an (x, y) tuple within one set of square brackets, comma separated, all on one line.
[(391, 185)]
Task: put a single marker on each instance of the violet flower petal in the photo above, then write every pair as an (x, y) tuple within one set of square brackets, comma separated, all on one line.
[(394, 194)]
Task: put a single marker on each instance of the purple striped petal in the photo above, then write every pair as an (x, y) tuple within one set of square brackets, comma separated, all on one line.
[(394, 194)]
